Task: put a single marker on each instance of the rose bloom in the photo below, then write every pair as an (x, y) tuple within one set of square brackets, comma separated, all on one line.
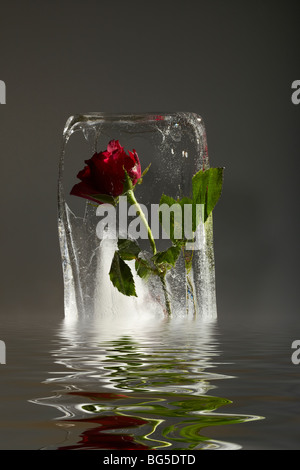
[(104, 172)]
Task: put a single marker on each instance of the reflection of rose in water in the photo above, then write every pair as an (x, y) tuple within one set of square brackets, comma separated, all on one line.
[(138, 385), (100, 438)]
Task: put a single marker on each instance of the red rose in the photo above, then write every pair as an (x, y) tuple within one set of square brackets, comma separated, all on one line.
[(104, 172)]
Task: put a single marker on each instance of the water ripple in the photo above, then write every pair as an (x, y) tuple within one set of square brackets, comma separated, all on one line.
[(141, 386)]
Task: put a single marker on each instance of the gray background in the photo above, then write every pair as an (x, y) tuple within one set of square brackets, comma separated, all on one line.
[(231, 61)]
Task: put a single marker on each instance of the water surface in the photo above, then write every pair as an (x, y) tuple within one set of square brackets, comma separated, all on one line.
[(142, 385)]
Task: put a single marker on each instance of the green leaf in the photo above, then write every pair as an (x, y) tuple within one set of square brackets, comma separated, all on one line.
[(121, 276), (140, 180), (207, 188), (143, 268), (128, 249), (103, 198), (167, 200), (168, 256), (146, 170)]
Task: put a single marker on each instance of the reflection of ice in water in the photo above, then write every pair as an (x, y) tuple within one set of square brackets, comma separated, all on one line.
[(159, 375)]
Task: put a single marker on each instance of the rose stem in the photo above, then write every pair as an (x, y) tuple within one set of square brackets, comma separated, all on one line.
[(167, 300), (132, 200)]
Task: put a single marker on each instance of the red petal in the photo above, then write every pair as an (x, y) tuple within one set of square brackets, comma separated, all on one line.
[(84, 174), (99, 396), (114, 145), (84, 190)]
